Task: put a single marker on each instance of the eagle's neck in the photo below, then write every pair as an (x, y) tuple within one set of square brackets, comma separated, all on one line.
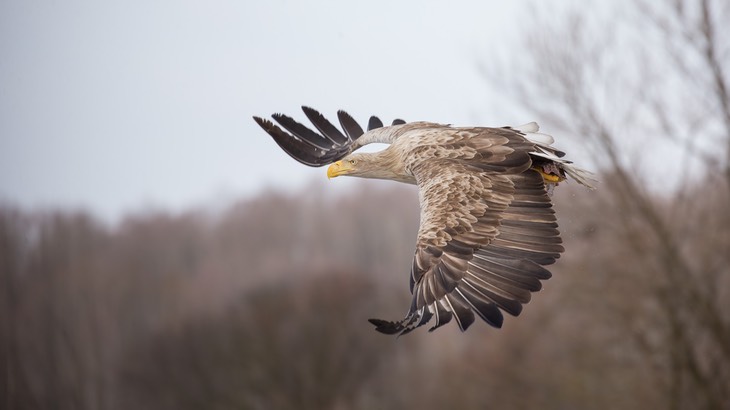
[(388, 135), (384, 135), (387, 164)]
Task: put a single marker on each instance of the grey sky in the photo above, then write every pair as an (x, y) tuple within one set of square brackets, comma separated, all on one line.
[(116, 106)]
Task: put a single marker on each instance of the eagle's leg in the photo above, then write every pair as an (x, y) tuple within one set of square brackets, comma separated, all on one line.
[(550, 173)]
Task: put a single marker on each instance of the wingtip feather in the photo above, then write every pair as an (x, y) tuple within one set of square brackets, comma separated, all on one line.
[(527, 128)]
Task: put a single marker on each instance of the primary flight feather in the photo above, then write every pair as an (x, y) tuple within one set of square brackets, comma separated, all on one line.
[(487, 224)]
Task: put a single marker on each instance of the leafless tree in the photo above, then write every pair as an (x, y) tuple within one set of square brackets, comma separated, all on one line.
[(298, 344), (645, 88)]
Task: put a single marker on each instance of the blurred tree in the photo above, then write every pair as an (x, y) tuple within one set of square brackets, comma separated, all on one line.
[(14, 388), (76, 295), (645, 87), (299, 344), (52, 334)]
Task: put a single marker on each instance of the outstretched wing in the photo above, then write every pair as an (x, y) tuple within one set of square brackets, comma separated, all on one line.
[(312, 148), (487, 227)]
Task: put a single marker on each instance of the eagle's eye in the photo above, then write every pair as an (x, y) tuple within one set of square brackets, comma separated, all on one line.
[(353, 162)]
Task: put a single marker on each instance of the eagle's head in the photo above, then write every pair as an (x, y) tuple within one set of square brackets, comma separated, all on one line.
[(351, 165), (378, 165)]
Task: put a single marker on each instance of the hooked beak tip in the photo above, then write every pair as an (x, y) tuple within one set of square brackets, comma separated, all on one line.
[(334, 169)]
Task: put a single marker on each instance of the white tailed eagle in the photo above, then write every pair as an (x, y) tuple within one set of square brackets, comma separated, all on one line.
[(487, 224)]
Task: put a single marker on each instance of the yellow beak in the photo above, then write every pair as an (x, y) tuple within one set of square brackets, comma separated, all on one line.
[(334, 170), (338, 168)]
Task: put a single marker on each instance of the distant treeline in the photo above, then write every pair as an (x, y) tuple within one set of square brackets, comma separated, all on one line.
[(266, 305)]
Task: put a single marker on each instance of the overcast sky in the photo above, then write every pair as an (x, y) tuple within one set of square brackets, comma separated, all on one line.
[(116, 106)]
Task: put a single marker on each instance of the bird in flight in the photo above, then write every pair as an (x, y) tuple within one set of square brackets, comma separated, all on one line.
[(487, 227)]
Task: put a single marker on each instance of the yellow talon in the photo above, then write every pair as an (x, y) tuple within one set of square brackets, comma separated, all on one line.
[(549, 177)]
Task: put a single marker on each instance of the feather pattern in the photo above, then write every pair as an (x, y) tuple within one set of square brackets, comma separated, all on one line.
[(487, 227)]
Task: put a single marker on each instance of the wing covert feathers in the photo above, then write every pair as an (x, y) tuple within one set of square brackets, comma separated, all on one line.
[(488, 258)]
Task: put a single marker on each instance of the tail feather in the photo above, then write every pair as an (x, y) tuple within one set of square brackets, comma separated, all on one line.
[(583, 177)]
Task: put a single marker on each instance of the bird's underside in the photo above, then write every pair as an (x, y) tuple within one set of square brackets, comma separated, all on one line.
[(487, 227)]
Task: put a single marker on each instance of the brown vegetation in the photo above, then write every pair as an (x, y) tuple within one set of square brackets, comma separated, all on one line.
[(144, 315)]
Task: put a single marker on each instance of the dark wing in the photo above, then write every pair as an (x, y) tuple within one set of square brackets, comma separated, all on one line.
[(487, 227), (312, 148)]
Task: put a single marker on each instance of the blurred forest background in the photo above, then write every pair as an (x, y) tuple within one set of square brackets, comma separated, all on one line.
[(264, 304)]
